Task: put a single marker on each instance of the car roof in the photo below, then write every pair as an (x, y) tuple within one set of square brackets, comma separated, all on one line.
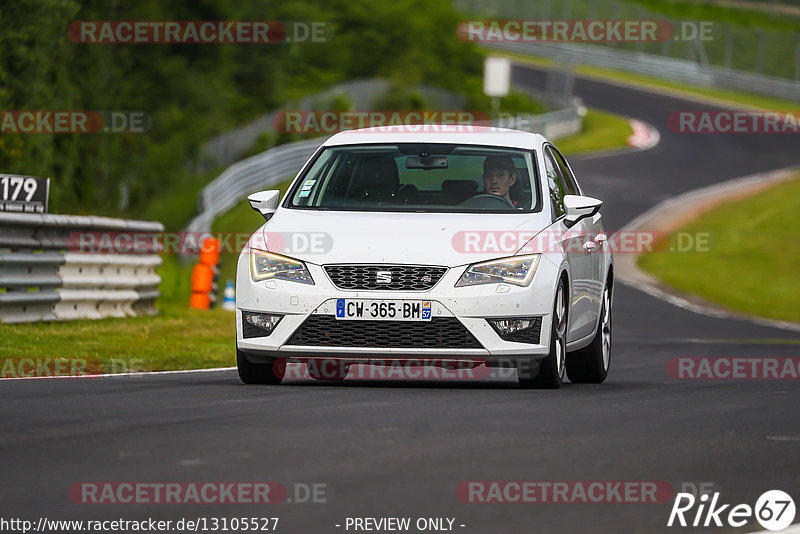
[(433, 133)]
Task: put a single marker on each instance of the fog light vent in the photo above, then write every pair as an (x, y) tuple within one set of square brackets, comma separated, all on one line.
[(259, 324), (518, 329)]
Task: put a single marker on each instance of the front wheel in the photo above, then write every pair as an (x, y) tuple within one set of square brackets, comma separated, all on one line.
[(258, 373), (590, 364), (551, 369)]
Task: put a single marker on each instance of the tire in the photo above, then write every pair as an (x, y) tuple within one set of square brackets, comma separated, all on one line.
[(590, 364), (328, 370), (551, 369), (258, 373)]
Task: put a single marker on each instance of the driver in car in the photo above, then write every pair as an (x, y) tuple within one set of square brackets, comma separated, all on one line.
[(499, 174)]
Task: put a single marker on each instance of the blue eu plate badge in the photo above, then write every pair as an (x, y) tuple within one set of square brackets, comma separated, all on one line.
[(426, 309)]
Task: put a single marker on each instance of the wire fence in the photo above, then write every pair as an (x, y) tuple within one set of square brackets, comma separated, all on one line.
[(679, 70), (752, 49)]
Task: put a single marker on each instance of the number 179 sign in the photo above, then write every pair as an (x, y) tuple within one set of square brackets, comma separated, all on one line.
[(23, 194)]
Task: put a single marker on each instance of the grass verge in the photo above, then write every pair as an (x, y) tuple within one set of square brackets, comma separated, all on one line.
[(178, 338), (601, 131), (753, 260)]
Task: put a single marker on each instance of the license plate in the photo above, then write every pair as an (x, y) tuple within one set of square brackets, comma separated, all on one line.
[(383, 310)]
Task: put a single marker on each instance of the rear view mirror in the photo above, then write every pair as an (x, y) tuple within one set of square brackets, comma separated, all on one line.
[(265, 202), (579, 207), (426, 162)]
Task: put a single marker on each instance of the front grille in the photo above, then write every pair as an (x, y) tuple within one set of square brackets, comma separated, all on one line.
[(438, 333), (404, 277)]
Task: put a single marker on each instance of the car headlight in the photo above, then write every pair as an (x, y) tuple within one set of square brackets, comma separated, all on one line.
[(269, 266), (517, 270)]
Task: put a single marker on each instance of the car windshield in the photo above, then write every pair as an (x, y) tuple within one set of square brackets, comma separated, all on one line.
[(419, 177)]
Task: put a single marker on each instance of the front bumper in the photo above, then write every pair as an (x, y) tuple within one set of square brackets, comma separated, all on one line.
[(470, 306)]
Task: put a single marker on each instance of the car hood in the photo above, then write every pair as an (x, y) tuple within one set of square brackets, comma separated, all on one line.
[(448, 239)]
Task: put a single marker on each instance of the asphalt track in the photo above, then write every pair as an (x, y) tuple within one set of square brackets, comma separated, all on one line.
[(400, 449)]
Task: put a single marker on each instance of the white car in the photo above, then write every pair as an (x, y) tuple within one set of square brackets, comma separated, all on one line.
[(447, 248)]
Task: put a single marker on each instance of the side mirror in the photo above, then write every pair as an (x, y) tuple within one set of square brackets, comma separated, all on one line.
[(265, 202), (579, 207)]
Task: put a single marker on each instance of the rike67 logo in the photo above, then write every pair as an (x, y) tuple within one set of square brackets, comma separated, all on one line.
[(774, 510)]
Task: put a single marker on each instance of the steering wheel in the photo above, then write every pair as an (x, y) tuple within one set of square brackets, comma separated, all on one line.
[(486, 200)]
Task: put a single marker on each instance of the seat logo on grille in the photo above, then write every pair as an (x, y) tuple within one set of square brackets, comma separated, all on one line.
[(383, 277)]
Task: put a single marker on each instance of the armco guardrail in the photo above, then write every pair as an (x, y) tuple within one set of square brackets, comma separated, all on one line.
[(277, 164), (41, 279), (553, 125), (229, 147), (251, 174), (679, 70)]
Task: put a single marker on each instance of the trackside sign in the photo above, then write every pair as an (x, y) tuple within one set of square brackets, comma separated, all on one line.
[(23, 194)]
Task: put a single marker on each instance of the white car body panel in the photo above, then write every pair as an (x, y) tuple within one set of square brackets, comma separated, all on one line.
[(394, 237), (412, 238)]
